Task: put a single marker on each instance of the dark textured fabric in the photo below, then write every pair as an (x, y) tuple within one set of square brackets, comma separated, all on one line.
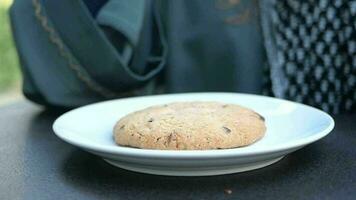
[(314, 46)]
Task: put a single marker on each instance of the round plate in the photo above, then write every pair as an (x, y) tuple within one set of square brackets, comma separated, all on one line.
[(290, 126)]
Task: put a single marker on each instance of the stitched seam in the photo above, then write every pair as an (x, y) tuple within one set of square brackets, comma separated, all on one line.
[(63, 51)]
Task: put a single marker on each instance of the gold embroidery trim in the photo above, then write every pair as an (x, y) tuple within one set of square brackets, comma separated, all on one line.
[(64, 52)]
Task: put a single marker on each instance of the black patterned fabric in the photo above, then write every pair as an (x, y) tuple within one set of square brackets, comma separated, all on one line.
[(315, 52)]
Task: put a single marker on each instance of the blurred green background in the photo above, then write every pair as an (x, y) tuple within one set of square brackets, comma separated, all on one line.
[(9, 66)]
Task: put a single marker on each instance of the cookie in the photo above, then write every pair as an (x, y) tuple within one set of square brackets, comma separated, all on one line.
[(190, 125)]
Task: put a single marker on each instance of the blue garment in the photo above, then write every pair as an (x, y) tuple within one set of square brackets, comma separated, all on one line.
[(212, 45), (74, 53)]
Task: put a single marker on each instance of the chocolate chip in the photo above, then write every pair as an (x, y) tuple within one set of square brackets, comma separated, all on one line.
[(170, 137), (150, 120), (261, 117), (158, 139), (173, 137), (224, 106), (227, 130), (122, 127)]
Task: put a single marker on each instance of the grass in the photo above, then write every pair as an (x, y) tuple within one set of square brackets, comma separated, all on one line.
[(9, 65)]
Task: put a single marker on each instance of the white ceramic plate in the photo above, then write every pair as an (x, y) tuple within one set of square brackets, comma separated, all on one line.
[(290, 126)]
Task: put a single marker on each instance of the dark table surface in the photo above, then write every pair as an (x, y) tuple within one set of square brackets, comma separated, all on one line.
[(35, 164)]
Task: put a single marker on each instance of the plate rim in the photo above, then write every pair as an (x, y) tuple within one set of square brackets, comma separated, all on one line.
[(240, 152)]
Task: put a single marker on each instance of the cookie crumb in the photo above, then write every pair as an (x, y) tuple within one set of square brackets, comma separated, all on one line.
[(227, 191)]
